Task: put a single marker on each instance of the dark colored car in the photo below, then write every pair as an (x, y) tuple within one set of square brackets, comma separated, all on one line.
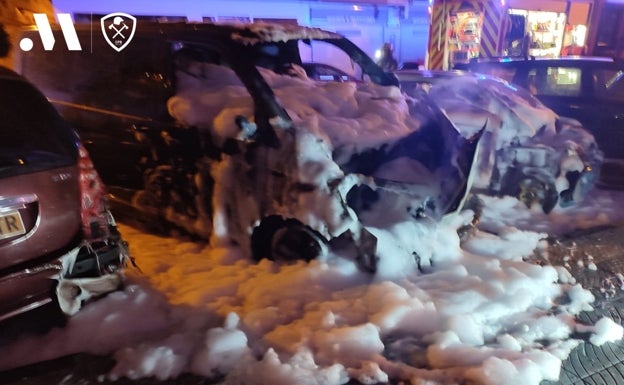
[(58, 241), (588, 89), (533, 154)]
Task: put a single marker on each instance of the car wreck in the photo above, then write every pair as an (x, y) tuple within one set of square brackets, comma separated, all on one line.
[(233, 142), (323, 175), (530, 152)]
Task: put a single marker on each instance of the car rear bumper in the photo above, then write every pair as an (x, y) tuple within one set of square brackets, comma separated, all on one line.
[(82, 273)]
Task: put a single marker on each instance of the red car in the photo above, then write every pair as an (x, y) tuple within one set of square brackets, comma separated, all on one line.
[(58, 241)]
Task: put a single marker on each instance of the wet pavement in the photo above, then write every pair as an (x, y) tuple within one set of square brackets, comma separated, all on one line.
[(595, 257)]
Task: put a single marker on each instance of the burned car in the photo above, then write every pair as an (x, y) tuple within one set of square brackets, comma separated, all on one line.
[(529, 152), (218, 130), (59, 243)]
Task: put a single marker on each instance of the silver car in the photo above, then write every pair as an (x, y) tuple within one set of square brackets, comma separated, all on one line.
[(58, 242)]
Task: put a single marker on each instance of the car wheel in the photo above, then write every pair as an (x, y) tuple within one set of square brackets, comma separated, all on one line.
[(531, 190), (286, 240)]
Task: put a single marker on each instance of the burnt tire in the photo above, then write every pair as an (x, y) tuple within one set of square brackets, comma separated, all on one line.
[(531, 190), (286, 240)]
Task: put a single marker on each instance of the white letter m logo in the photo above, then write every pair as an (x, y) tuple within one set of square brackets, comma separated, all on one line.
[(67, 27)]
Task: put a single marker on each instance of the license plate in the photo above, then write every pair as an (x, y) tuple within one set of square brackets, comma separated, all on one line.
[(11, 224)]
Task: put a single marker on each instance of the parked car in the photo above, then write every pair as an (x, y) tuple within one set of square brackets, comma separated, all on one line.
[(588, 89), (326, 72), (535, 155), (58, 241)]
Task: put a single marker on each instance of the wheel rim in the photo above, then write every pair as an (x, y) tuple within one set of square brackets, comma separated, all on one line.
[(533, 191)]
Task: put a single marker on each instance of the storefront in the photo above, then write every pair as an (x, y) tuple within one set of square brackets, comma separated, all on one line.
[(541, 33), (545, 33), (462, 30)]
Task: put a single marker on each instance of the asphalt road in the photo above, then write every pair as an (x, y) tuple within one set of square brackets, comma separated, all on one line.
[(587, 365)]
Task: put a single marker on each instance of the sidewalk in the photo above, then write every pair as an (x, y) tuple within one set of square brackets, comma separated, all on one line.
[(596, 259)]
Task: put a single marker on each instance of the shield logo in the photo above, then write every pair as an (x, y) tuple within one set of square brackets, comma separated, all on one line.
[(118, 29)]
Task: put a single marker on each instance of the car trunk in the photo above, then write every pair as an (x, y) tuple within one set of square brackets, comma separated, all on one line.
[(35, 224), (39, 178)]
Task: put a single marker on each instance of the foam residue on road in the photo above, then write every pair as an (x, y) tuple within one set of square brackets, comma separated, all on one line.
[(484, 315)]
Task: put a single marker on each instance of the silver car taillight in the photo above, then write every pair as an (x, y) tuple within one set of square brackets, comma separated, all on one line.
[(94, 213)]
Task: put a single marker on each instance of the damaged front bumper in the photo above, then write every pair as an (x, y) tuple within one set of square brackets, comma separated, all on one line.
[(87, 271)]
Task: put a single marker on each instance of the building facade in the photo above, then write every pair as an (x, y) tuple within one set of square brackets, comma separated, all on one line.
[(465, 29)]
